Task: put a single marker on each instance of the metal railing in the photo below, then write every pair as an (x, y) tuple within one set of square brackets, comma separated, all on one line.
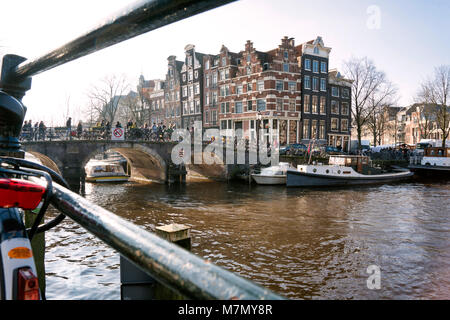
[(169, 264)]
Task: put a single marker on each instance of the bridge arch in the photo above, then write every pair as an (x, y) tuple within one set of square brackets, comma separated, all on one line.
[(146, 163)]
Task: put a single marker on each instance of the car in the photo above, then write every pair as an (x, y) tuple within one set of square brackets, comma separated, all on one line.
[(333, 150), (293, 149)]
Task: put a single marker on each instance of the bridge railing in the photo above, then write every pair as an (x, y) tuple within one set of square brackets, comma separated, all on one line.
[(166, 262)]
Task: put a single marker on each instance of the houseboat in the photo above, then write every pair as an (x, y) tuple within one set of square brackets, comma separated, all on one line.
[(343, 170), (435, 161), (105, 171)]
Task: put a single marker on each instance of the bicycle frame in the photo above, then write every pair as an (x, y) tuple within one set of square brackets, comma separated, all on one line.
[(16, 253)]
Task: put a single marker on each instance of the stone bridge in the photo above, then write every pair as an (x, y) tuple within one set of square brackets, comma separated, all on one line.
[(148, 160)]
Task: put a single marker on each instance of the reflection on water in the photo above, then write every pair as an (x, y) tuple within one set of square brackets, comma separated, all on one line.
[(300, 243)]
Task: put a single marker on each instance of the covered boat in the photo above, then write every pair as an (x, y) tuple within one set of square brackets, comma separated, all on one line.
[(342, 170), (434, 162), (105, 171)]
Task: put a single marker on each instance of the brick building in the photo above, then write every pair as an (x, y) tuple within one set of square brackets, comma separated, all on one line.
[(338, 123), (172, 92), (191, 87)]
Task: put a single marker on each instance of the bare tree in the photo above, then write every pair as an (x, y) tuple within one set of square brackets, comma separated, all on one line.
[(370, 90), (105, 98), (436, 91)]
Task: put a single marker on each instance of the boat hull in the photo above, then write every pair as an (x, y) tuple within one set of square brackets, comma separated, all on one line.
[(300, 179), (107, 179), (269, 180), (431, 171)]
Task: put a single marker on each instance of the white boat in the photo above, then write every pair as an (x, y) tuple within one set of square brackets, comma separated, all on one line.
[(272, 175), (105, 171), (435, 161), (341, 171)]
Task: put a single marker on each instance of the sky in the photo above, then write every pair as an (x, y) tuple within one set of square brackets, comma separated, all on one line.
[(406, 39)]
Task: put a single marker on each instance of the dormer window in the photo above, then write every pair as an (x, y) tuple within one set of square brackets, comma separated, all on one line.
[(316, 50)]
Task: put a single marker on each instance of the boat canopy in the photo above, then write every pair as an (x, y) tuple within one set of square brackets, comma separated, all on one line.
[(437, 152)]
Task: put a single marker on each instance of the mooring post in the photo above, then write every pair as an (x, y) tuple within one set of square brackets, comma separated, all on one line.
[(138, 285)]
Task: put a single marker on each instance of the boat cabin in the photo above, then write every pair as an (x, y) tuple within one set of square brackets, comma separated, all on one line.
[(361, 164), (437, 152)]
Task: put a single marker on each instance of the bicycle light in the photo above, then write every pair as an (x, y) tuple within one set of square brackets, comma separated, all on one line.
[(20, 193)]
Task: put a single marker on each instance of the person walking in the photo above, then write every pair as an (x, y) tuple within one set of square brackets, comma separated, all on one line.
[(79, 129), (42, 129), (69, 128)]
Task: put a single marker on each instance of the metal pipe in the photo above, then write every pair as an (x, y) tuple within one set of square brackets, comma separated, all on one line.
[(138, 18), (164, 261)]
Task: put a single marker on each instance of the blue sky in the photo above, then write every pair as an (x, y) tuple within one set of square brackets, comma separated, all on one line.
[(411, 40)]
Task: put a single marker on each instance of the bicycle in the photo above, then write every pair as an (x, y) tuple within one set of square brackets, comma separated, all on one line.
[(22, 188)]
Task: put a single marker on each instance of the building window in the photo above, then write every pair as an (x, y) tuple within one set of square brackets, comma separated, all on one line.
[(222, 107), (279, 104), (308, 64), (207, 64), (206, 117), (323, 84), (260, 85), (224, 61), (184, 77), (291, 104), (196, 74), (249, 105), (189, 59), (184, 91), (307, 82), (260, 104), (335, 91), (190, 77), (315, 84), (323, 102), (323, 67), (197, 106), (214, 117), (207, 81), (345, 93), (214, 79), (334, 107), (306, 103), (285, 67), (344, 125), (185, 108), (316, 50), (238, 107), (315, 104), (239, 89), (344, 108), (305, 128), (279, 85), (334, 124), (286, 55), (191, 91), (315, 66), (207, 99), (222, 91), (214, 98), (222, 74), (314, 129), (249, 70), (197, 88), (249, 87), (292, 86), (322, 129)]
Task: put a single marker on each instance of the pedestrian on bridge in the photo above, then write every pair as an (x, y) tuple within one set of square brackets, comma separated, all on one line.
[(69, 128)]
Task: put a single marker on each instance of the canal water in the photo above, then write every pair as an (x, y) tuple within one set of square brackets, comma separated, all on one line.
[(300, 243)]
